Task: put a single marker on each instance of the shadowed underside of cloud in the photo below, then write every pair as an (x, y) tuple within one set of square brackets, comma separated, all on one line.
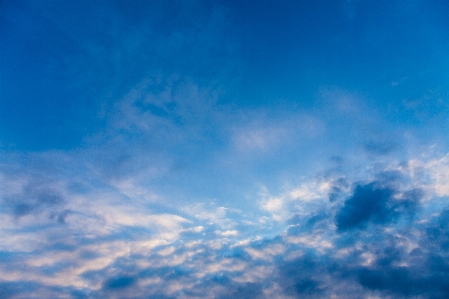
[(373, 204), (119, 282), (386, 265), (422, 270)]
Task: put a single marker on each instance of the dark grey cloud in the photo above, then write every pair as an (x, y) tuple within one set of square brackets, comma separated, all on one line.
[(119, 282), (371, 203), (405, 282), (406, 275), (244, 290), (395, 279), (299, 277), (437, 234), (367, 204), (395, 270)]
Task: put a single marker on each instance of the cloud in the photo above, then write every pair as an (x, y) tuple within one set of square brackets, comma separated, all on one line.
[(265, 251), (228, 233), (399, 271), (299, 277), (162, 198), (32, 197), (371, 203), (380, 265), (119, 282), (311, 191), (115, 241), (248, 290), (437, 169)]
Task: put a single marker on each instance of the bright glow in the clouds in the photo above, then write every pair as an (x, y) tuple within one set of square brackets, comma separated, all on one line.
[(224, 149)]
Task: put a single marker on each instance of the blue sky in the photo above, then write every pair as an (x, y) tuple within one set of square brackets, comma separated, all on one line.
[(224, 149)]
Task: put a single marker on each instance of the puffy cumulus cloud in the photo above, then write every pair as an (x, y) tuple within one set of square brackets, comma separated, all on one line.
[(303, 200)]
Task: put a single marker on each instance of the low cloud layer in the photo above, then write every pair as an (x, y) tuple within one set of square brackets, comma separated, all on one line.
[(375, 238), (373, 204)]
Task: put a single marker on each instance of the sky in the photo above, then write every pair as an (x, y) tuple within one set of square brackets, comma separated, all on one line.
[(224, 149)]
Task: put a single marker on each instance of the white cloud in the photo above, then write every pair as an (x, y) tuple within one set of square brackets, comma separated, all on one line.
[(266, 253), (428, 173), (302, 199), (276, 205), (228, 265), (439, 171), (228, 233), (166, 251), (313, 241), (273, 204), (311, 190), (195, 229)]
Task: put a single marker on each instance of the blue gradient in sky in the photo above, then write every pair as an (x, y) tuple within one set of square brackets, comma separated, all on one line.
[(218, 149)]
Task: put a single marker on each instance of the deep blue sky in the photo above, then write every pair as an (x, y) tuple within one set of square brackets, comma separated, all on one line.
[(217, 149)]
